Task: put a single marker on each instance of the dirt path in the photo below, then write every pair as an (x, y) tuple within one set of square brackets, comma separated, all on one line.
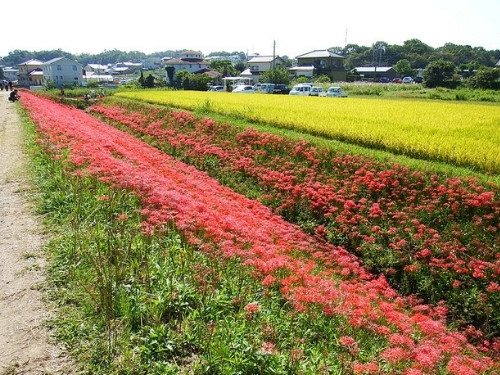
[(25, 346)]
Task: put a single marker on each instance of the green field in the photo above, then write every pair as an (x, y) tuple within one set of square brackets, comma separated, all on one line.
[(463, 134)]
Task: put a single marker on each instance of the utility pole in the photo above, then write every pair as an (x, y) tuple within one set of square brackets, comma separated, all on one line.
[(274, 53), (345, 40)]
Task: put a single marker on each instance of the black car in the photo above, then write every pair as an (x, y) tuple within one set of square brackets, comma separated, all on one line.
[(280, 89), (384, 80), (418, 79)]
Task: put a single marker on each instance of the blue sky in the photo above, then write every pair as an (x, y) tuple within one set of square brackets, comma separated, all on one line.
[(298, 26)]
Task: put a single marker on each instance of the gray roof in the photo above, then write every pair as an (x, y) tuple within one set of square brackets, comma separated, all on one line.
[(263, 59), (371, 69), (319, 53), (498, 63), (32, 62), (53, 61)]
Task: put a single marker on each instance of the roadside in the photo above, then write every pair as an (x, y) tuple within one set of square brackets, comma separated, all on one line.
[(25, 342)]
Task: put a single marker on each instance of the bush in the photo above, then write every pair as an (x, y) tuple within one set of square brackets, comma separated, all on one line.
[(322, 79), (485, 78), (440, 74)]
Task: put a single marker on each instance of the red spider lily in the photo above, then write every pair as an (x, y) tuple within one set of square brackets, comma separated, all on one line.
[(212, 216)]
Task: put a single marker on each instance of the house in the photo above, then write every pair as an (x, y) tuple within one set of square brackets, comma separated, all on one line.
[(190, 66), (151, 63), (125, 68), (190, 61), (96, 69), (10, 73), (374, 73), (324, 62), (497, 65), (62, 71), (30, 73), (306, 71), (190, 54), (260, 64), (213, 74)]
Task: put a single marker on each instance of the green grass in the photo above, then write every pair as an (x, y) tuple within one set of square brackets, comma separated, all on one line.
[(418, 91)]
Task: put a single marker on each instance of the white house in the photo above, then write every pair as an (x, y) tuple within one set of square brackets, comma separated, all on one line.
[(62, 71), (260, 64)]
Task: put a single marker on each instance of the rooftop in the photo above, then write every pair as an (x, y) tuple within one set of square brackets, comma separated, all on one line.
[(53, 60), (263, 59), (371, 69), (319, 53), (32, 62)]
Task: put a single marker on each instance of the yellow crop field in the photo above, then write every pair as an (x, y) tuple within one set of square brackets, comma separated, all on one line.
[(460, 133)]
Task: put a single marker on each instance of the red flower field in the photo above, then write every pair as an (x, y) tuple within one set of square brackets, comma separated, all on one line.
[(309, 272)]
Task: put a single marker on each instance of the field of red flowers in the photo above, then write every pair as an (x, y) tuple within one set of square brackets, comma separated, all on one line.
[(310, 272), (432, 236)]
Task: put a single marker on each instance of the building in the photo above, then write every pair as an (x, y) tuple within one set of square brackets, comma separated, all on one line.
[(189, 54), (30, 73), (190, 61), (96, 69), (125, 68), (10, 73), (374, 73), (62, 71), (323, 62), (260, 64)]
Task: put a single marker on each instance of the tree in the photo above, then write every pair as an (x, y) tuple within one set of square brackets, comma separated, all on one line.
[(170, 73), (486, 78), (149, 82), (239, 66), (141, 79), (415, 46), (225, 67), (439, 73), (276, 75), (190, 81), (403, 68)]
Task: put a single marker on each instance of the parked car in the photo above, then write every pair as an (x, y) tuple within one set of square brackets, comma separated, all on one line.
[(244, 89), (216, 88), (280, 88), (384, 80), (266, 88), (407, 80), (302, 89), (397, 80), (418, 79), (317, 91), (336, 92)]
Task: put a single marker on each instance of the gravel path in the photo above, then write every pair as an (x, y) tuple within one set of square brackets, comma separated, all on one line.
[(25, 343)]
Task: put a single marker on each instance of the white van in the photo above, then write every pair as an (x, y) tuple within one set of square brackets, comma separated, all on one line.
[(303, 89)]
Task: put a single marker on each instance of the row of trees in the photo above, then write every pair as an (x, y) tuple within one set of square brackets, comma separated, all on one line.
[(418, 54), (106, 57)]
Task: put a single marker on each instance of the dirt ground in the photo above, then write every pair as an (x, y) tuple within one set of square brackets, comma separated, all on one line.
[(26, 345)]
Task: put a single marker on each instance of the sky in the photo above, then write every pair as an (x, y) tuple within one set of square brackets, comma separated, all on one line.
[(297, 26)]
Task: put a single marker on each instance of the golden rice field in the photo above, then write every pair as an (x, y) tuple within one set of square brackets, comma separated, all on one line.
[(461, 133)]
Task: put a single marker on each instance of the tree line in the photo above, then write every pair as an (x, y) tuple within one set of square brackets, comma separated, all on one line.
[(418, 54)]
